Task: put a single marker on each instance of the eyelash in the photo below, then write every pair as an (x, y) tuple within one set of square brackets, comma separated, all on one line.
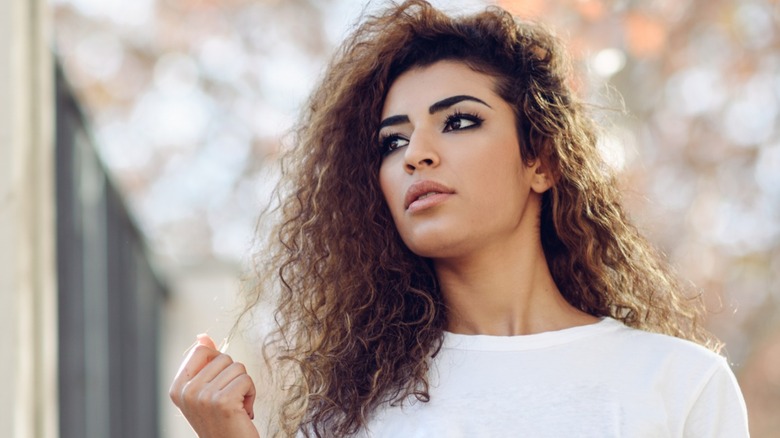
[(458, 115), (385, 140)]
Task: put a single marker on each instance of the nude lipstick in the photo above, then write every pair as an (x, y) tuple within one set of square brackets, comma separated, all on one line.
[(425, 194)]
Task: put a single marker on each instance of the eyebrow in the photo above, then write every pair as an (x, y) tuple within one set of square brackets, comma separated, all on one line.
[(448, 102), (393, 120), (436, 107)]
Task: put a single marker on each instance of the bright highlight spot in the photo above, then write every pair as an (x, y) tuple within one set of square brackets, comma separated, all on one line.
[(608, 62)]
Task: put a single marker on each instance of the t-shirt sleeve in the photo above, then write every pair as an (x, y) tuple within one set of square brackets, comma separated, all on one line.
[(719, 409)]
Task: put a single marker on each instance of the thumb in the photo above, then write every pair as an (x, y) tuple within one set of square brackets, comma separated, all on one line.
[(204, 339)]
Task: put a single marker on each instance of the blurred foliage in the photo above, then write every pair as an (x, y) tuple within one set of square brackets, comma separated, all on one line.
[(189, 100)]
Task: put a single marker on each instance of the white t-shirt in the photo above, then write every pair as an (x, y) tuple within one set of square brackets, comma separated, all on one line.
[(599, 380)]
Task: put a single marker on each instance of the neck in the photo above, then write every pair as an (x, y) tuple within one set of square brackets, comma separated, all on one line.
[(504, 290)]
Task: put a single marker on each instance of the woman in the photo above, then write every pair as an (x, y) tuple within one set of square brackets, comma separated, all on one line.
[(453, 259)]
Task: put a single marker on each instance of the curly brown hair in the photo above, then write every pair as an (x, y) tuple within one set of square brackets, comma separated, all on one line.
[(359, 315)]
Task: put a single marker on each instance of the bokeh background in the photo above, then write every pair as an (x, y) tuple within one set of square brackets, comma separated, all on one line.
[(187, 103)]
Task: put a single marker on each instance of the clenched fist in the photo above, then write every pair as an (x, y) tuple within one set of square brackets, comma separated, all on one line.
[(214, 393)]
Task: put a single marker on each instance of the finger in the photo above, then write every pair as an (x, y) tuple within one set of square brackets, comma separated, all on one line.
[(243, 385), (215, 368), (201, 339), (199, 357), (228, 374), (204, 339), (249, 398)]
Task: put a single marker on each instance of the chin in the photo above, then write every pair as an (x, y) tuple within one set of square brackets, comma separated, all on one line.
[(436, 247), (442, 238)]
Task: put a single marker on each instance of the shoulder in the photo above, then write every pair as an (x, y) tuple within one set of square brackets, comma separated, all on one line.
[(676, 367), (659, 348), (693, 381)]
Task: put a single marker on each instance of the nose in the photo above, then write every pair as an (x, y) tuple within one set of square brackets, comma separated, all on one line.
[(420, 152)]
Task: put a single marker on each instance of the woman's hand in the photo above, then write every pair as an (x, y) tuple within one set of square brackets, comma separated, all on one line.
[(214, 393)]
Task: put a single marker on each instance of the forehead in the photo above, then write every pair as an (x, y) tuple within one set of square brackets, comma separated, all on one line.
[(419, 87)]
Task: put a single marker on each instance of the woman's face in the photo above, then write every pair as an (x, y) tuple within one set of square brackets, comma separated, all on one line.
[(452, 174)]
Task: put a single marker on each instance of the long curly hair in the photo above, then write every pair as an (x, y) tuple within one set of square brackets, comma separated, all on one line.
[(358, 315)]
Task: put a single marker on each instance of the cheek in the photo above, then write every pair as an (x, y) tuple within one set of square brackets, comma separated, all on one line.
[(501, 182), (389, 187), (498, 173)]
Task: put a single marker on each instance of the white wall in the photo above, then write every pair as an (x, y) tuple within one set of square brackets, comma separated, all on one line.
[(28, 392)]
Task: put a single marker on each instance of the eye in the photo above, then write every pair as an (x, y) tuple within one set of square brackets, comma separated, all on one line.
[(460, 121), (390, 142)]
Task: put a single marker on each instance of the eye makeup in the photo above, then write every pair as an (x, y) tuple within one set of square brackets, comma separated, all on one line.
[(457, 121)]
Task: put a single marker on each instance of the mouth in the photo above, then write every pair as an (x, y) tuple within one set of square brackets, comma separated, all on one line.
[(429, 191)]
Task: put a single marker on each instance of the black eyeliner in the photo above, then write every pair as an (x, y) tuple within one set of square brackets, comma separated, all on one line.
[(473, 117)]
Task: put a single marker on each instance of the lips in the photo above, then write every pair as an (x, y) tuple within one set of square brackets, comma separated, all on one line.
[(429, 191)]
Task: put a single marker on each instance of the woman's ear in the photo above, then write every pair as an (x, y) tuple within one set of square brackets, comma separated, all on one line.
[(541, 178)]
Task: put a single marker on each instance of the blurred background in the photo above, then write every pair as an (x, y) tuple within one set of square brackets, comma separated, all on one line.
[(170, 115)]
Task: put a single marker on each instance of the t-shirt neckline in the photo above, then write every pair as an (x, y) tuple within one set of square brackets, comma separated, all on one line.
[(456, 341)]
